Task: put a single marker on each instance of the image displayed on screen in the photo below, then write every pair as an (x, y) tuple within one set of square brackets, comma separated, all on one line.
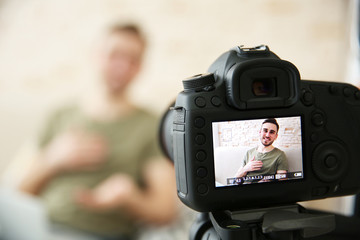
[(257, 151)]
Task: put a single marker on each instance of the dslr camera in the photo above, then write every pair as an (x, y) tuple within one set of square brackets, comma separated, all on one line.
[(221, 119)]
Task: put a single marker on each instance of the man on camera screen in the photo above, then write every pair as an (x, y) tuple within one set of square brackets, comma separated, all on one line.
[(261, 163)]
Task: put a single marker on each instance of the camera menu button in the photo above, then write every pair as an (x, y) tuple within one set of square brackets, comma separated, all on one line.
[(200, 102)]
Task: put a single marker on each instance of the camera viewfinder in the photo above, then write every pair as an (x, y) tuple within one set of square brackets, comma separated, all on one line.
[(264, 87)]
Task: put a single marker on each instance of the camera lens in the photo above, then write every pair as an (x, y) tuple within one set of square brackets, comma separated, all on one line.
[(264, 87)]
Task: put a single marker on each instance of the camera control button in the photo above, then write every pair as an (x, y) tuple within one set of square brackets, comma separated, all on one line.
[(200, 139), (200, 102), (202, 188), (330, 161), (200, 156), (216, 101), (199, 82), (314, 137), (199, 122), (320, 191), (179, 127), (318, 120), (347, 92), (333, 89), (357, 95), (307, 97), (201, 172)]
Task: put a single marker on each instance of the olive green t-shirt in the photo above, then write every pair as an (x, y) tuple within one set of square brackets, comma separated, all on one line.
[(272, 161), (131, 142)]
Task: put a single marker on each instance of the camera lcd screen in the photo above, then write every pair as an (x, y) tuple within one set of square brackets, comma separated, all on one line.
[(257, 151)]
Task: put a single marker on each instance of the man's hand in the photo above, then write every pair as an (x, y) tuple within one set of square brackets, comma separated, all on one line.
[(70, 151), (156, 204), (114, 192), (74, 151), (251, 166)]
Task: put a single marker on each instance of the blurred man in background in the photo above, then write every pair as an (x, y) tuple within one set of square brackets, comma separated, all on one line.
[(99, 171)]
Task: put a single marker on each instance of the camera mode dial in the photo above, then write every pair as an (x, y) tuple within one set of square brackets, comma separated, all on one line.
[(200, 82)]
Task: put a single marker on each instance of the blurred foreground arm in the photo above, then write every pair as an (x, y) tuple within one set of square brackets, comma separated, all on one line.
[(156, 204), (71, 151)]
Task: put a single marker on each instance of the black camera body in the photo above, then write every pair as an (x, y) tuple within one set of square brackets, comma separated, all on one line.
[(217, 118)]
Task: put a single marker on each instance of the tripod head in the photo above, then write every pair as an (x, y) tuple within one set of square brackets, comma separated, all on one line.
[(289, 222)]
